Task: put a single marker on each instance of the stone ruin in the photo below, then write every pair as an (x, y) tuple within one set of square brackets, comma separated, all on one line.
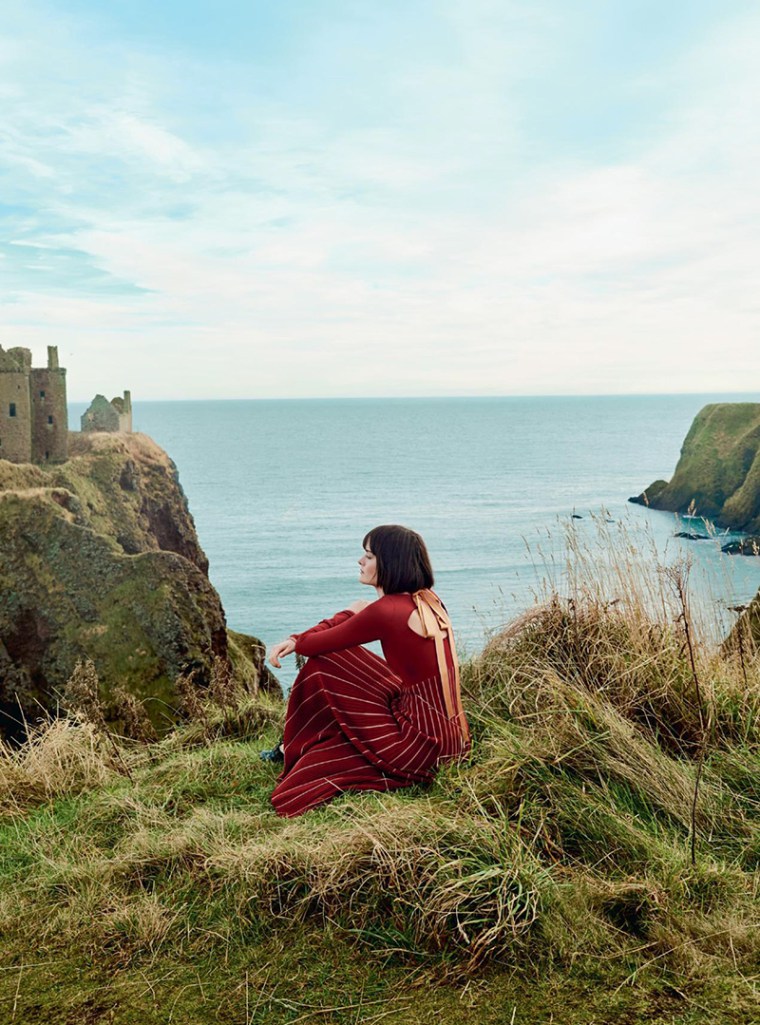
[(34, 420), (114, 416)]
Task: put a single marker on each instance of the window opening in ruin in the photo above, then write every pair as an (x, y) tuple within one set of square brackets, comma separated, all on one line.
[(50, 419), (12, 411), (47, 456), (42, 394)]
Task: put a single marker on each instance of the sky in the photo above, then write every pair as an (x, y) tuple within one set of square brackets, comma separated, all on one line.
[(318, 198)]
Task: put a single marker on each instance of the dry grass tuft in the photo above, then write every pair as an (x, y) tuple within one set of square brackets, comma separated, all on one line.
[(466, 882), (637, 667), (60, 757), (139, 924), (130, 714)]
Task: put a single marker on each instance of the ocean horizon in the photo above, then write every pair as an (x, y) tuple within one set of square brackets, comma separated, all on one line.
[(282, 492)]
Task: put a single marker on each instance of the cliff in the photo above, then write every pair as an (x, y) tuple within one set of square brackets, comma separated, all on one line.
[(99, 559), (718, 473)]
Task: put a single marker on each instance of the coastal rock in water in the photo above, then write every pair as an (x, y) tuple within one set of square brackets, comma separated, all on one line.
[(718, 473), (99, 559), (746, 546), (691, 537), (652, 493)]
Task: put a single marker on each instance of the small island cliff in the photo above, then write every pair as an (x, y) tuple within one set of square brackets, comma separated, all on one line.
[(718, 477), (718, 473), (99, 560)]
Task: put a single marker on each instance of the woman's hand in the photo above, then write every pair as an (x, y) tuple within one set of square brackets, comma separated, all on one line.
[(281, 650), (359, 605)]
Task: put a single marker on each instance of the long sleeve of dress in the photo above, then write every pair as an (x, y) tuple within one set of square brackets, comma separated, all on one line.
[(340, 633), (326, 624)]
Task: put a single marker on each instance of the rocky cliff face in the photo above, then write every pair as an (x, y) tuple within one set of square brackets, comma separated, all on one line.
[(99, 559), (718, 474)]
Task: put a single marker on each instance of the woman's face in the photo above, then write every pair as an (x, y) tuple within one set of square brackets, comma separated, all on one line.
[(368, 568)]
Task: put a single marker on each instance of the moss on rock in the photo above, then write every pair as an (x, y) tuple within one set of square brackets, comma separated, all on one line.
[(99, 559)]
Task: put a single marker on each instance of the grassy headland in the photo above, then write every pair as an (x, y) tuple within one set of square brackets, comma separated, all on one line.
[(548, 879), (718, 473)]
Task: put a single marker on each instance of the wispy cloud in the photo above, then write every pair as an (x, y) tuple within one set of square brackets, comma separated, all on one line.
[(389, 208)]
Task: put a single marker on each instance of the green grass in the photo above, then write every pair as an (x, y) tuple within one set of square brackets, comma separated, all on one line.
[(548, 879), (718, 473)]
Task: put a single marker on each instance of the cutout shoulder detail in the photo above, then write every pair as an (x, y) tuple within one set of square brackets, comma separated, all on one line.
[(415, 623)]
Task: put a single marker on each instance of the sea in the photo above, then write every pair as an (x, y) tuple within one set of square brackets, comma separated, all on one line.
[(283, 491)]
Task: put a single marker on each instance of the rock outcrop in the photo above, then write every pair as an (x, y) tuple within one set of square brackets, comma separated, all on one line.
[(749, 545), (718, 473), (99, 559)]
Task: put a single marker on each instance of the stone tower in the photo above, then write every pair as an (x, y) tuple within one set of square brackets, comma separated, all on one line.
[(15, 411), (34, 423), (50, 418)]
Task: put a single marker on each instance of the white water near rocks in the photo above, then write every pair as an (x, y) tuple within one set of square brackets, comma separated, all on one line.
[(283, 491)]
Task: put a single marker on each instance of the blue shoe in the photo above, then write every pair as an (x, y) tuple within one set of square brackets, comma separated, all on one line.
[(273, 755)]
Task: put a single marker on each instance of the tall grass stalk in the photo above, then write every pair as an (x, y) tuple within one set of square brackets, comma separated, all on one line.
[(680, 583)]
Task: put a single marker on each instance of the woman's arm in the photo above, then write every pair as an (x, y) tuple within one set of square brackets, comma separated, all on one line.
[(346, 630), (327, 624), (288, 646)]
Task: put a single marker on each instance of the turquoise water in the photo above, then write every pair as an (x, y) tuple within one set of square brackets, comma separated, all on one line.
[(282, 493)]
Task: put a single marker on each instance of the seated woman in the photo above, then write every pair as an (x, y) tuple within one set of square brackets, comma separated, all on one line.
[(356, 721)]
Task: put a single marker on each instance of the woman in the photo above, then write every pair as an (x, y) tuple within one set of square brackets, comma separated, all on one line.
[(356, 721)]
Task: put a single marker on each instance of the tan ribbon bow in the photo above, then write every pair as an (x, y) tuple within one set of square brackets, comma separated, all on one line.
[(436, 624)]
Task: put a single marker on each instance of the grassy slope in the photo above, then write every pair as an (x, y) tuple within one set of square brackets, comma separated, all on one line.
[(718, 473), (129, 490), (111, 484), (548, 878)]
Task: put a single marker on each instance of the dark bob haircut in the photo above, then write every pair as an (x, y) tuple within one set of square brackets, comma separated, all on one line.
[(403, 563)]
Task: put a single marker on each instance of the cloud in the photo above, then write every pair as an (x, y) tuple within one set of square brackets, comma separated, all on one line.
[(406, 231)]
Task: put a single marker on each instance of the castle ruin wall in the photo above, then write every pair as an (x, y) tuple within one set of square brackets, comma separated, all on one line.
[(33, 412), (50, 417), (101, 416), (15, 417)]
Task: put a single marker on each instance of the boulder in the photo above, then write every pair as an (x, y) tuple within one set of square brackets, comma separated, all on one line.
[(99, 559), (745, 546)]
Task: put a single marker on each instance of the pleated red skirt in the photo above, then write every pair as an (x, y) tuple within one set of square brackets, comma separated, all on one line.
[(352, 724)]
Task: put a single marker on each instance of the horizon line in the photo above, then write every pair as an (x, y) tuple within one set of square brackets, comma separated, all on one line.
[(403, 398)]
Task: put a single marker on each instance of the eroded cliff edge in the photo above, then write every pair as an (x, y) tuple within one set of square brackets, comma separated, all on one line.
[(718, 473), (99, 559)]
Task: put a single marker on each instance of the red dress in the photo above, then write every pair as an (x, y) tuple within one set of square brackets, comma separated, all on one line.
[(356, 721)]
